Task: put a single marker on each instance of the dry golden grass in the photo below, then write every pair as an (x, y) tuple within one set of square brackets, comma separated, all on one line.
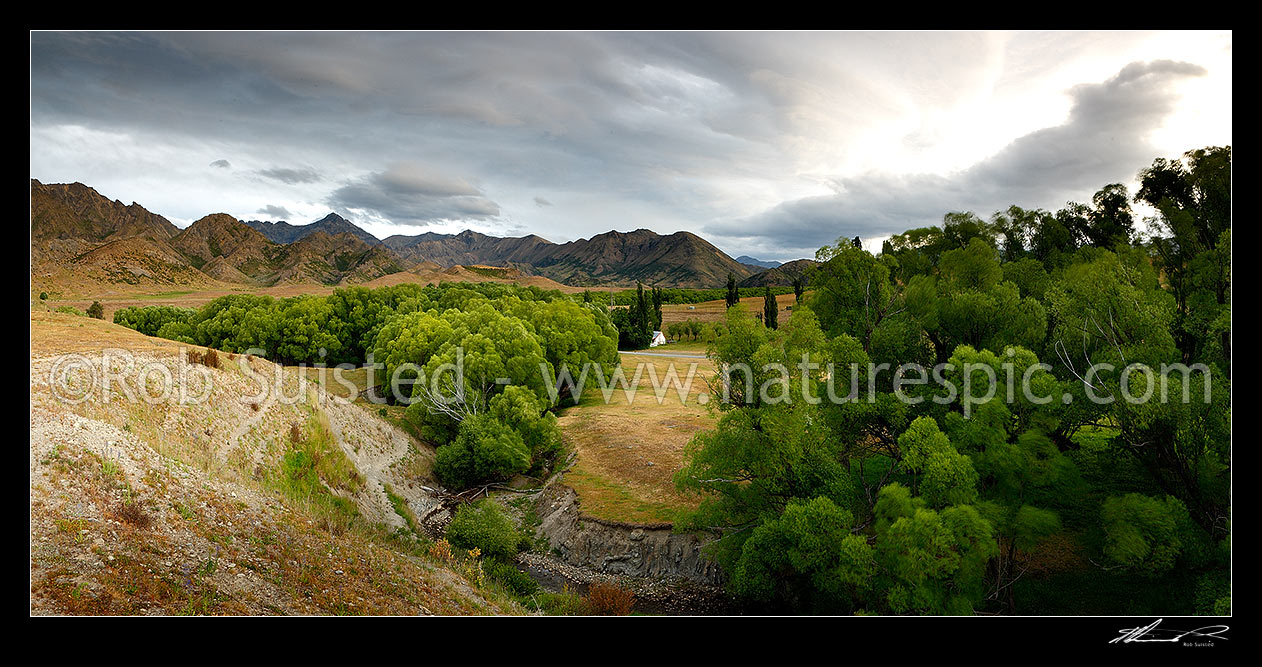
[(715, 311), (294, 568), (617, 441), (342, 383), (62, 333), (113, 297), (454, 274), (628, 452)]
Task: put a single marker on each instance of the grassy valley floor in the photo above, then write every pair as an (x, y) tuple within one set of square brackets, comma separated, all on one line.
[(627, 450)]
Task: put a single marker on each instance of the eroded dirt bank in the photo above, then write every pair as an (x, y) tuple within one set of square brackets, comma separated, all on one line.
[(668, 572), (615, 548)]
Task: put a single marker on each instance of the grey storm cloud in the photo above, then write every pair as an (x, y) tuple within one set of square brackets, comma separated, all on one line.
[(1103, 141), (222, 164), (291, 176), (414, 194), (278, 212), (588, 107), (540, 201)]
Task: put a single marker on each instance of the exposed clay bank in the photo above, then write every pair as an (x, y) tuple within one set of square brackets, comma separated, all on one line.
[(615, 548)]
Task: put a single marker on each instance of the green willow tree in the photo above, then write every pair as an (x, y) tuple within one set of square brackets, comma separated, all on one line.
[(1193, 248), (1061, 497)]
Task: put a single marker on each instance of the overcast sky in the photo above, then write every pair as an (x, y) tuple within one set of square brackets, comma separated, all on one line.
[(766, 144)]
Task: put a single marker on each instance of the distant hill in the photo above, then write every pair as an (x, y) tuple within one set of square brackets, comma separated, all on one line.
[(336, 259), (681, 259), (750, 261), (331, 224), (429, 272), (229, 250), (780, 276), (467, 247)]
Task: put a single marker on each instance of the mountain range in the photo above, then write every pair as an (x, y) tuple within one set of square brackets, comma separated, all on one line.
[(331, 224), (76, 231), (781, 275), (750, 261)]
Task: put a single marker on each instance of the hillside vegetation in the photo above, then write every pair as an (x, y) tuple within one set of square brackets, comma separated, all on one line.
[(225, 506)]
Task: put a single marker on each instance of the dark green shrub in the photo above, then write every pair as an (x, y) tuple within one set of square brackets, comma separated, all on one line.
[(484, 449), (151, 320), (517, 582), (483, 525), (96, 310), (564, 603)]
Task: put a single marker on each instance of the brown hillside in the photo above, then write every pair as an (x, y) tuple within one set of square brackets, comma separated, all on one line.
[(221, 235), (781, 276), (467, 247), (340, 258), (170, 507), (137, 261), (682, 259), (76, 211), (78, 235)]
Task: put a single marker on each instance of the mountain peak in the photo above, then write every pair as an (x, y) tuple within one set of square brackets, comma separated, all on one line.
[(332, 224), (216, 219), (766, 264), (332, 217)]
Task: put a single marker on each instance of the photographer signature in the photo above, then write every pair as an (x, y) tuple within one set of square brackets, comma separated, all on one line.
[(1151, 633)]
